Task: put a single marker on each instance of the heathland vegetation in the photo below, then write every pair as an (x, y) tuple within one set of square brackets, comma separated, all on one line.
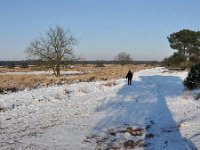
[(90, 72)]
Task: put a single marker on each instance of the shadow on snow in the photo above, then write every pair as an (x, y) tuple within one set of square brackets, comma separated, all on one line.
[(143, 105)]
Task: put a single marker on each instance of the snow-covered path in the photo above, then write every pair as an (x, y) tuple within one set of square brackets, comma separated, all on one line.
[(153, 113)]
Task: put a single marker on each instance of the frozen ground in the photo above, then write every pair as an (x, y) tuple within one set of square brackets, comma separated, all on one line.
[(154, 113)]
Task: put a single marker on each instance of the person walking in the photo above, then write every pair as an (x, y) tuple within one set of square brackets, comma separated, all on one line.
[(129, 76)]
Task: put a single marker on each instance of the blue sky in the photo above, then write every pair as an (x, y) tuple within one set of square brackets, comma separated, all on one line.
[(104, 27)]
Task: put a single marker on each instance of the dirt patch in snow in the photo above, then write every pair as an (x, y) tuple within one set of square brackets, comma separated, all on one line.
[(118, 138)]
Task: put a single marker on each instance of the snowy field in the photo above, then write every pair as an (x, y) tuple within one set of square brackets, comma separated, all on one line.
[(154, 113)]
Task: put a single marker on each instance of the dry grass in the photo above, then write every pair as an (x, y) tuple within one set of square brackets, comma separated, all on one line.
[(18, 82)]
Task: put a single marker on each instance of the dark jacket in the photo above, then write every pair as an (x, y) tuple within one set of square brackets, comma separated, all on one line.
[(129, 75)]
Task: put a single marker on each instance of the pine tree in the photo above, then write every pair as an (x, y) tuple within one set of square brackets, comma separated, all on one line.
[(193, 79)]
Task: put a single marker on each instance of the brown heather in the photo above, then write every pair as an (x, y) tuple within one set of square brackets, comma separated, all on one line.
[(20, 82)]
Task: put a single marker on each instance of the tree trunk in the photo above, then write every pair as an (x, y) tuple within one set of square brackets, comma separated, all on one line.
[(58, 70), (54, 72)]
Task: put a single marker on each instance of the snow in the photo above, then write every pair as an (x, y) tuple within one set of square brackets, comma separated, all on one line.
[(40, 73), (153, 113)]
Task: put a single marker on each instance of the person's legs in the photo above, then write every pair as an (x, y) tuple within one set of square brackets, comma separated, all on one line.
[(129, 82)]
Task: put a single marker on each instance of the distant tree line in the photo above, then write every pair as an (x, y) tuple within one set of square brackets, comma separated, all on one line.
[(81, 62), (22, 63)]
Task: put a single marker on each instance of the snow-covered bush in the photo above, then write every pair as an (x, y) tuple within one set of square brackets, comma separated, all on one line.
[(193, 79)]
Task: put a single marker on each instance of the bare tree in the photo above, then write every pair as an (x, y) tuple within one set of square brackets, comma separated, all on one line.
[(54, 47), (123, 58)]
